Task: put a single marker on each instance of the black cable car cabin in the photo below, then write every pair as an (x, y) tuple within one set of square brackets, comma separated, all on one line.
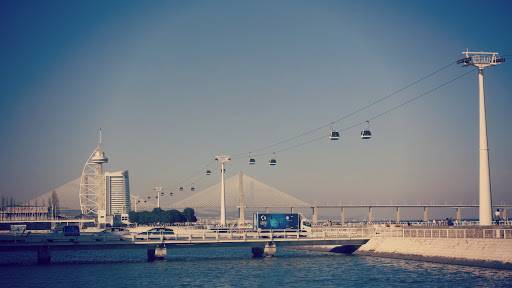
[(366, 134), (335, 135)]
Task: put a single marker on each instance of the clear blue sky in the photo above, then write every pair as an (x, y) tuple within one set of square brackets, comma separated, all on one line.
[(172, 83)]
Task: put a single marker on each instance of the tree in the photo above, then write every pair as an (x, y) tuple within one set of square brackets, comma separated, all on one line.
[(134, 216), (176, 216), (54, 200), (189, 214), (158, 215)]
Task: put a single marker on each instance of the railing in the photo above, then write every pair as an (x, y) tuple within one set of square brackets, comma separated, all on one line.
[(475, 233), (437, 223), (197, 236)]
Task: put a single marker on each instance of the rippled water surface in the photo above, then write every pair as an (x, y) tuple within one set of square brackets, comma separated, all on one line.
[(207, 267)]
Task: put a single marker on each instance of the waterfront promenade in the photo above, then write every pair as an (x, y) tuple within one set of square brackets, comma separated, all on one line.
[(471, 245)]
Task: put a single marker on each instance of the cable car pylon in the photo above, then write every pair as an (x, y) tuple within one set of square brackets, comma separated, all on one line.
[(483, 60)]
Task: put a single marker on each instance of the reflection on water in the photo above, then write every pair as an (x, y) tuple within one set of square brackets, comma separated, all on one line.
[(207, 267)]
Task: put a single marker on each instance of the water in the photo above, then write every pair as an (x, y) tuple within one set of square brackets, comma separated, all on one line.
[(209, 267)]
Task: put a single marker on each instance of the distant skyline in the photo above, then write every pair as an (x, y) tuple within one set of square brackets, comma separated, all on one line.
[(174, 83)]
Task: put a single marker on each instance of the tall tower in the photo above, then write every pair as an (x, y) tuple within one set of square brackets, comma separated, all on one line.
[(222, 159), (92, 182), (241, 199), (483, 60)]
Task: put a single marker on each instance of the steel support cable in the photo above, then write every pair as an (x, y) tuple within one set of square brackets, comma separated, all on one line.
[(362, 108), (195, 175), (428, 92), (237, 156)]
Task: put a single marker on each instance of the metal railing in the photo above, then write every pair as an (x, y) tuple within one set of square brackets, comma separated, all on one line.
[(346, 233), (474, 233)]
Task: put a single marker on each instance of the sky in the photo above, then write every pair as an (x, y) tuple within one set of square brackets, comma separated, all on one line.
[(174, 83)]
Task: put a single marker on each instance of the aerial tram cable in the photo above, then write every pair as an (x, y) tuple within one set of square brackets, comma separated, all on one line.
[(194, 176), (351, 114), (426, 93), (429, 75)]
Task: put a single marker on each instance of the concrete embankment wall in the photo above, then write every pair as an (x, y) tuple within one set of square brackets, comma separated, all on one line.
[(495, 253)]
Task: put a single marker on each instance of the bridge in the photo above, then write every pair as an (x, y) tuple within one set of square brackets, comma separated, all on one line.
[(370, 207), (245, 192), (316, 209), (262, 243)]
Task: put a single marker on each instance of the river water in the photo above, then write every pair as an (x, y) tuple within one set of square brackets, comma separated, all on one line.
[(234, 267)]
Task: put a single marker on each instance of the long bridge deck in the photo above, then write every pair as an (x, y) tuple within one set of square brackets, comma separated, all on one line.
[(351, 238)]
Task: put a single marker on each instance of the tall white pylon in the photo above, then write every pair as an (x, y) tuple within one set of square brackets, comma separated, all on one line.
[(483, 60), (222, 159)]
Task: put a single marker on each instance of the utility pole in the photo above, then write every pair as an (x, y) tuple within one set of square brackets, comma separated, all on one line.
[(483, 60), (222, 159)]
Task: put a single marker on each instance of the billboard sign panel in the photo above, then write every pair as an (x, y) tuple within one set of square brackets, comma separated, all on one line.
[(277, 221)]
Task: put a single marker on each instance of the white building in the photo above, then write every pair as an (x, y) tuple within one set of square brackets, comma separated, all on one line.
[(117, 195)]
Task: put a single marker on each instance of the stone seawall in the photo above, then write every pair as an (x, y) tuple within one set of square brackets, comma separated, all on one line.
[(495, 253)]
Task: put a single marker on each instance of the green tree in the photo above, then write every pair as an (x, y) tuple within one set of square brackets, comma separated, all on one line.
[(158, 215), (189, 214), (54, 199)]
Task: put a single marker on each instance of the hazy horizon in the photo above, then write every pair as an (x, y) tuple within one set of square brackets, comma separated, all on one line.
[(174, 83)]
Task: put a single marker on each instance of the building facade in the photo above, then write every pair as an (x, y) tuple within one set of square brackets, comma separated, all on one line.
[(116, 197), (117, 190)]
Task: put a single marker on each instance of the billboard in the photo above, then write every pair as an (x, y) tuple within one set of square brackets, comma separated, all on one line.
[(277, 220)]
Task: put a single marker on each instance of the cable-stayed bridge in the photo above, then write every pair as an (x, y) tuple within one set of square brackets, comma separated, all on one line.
[(245, 193)]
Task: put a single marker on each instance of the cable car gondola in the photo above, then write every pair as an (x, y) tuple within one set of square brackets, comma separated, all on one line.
[(208, 172), (273, 161), (335, 135), (192, 189), (252, 161), (181, 189), (366, 133)]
